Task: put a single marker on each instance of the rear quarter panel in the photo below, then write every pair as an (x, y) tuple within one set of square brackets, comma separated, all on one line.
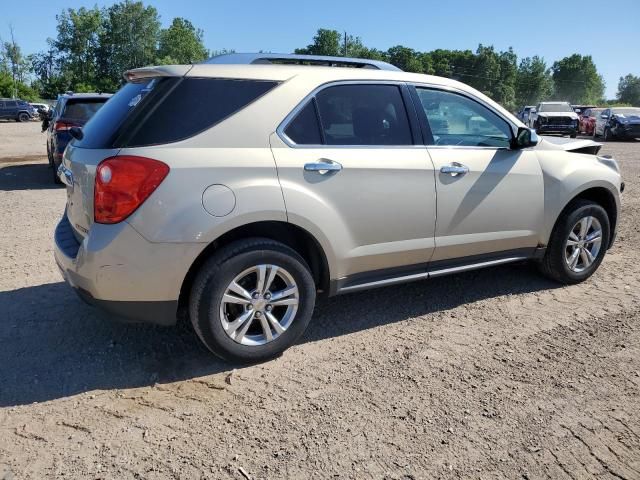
[(175, 213)]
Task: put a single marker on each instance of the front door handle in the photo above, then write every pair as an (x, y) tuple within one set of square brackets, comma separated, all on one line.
[(323, 166), (454, 169)]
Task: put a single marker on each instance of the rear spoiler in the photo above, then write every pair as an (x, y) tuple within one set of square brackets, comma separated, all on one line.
[(140, 74)]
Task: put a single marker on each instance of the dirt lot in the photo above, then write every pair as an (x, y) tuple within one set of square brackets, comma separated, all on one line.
[(491, 374)]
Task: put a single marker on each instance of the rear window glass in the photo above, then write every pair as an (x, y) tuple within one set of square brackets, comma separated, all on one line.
[(83, 109), (166, 110)]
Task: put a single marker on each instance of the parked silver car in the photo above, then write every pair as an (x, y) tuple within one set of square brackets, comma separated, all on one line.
[(239, 192)]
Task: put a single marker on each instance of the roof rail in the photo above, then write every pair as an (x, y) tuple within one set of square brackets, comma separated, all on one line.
[(294, 59)]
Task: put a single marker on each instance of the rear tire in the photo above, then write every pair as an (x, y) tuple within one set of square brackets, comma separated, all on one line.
[(573, 135), (567, 237), (217, 306), (54, 169)]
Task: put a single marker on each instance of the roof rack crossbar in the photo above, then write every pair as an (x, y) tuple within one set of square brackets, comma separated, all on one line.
[(295, 59)]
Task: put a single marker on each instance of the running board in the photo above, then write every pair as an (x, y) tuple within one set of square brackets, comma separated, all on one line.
[(434, 273)]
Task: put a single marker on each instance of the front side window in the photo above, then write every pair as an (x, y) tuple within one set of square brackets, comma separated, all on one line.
[(363, 115), (456, 120)]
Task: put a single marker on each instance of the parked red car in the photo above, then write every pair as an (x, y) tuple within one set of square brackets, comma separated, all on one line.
[(588, 120)]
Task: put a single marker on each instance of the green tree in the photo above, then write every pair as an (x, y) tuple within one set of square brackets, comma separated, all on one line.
[(77, 45), (129, 39), (325, 42), (534, 83), (406, 59), (14, 68), (629, 90), (181, 43), (576, 80)]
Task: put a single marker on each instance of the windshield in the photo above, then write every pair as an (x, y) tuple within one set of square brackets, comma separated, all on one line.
[(627, 112), (594, 112), (555, 107)]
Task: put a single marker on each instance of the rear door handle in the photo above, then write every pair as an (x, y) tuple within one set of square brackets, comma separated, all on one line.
[(323, 166), (454, 169)]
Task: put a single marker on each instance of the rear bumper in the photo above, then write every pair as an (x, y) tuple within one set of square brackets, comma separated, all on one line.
[(117, 270)]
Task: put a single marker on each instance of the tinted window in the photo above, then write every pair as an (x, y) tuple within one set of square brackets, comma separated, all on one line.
[(11, 104), (168, 110), (194, 105), (458, 120), (304, 128), (82, 109), (101, 130), (363, 115)]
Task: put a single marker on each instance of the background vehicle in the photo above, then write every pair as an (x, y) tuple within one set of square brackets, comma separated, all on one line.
[(71, 110), (282, 182), (588, 120), (41, 108), (618, 123), (555, 117), (16, 109), (525, 113), (580, 109)]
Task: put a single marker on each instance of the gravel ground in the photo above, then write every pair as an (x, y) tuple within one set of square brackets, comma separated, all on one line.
[(490, 374)]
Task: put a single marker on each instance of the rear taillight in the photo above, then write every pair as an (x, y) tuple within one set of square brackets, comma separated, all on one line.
[(122, 184), (63, 126)]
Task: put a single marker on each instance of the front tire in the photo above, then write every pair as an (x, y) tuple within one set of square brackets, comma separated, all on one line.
[(23, 117), (578, 243), (606, 135), (252, 300)]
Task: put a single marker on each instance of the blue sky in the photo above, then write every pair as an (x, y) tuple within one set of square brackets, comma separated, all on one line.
[(609, 31)]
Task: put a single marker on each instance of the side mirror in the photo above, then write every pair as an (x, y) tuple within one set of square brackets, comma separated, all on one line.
[(526, 137), (604, 117)]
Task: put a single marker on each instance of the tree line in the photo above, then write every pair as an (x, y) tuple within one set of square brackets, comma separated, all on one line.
[(94, 46)]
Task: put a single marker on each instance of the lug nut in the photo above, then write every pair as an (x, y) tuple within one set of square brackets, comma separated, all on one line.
[(256, 296), (249, 307), (269, 308), (267, 296), (258, 314)]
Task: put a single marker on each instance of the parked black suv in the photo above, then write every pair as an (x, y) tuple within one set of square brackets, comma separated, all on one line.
[(16, 109), (71, 110)]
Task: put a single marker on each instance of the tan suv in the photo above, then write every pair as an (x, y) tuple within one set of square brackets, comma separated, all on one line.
[(240, 189)]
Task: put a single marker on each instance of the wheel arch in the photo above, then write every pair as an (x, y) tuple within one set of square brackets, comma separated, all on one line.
[(295, 237), (603, 197)]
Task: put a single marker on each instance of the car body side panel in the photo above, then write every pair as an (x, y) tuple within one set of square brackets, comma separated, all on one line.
[(378, 211), (175, 213), (496, 206), (568, 174)]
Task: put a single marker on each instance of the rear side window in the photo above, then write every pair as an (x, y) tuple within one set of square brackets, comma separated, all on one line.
[(363, 115), (165, 110)]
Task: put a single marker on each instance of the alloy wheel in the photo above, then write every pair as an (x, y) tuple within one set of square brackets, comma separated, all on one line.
[(259, 305), (583, 244)]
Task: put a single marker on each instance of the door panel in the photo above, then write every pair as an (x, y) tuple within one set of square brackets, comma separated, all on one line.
[(490, 197), (498, 205), (377, 212)]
